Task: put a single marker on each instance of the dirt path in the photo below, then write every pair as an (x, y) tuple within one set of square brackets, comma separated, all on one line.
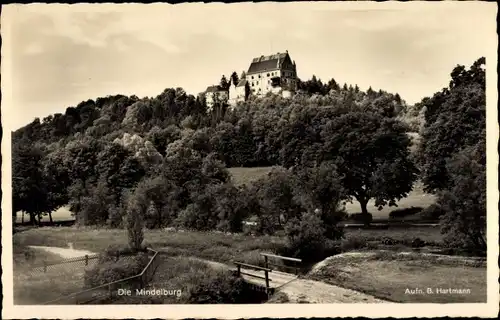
[(65, 253), (309, 291)]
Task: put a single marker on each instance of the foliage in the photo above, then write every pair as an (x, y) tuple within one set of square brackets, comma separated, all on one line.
[(432, 212), (455, 118), (109, 270), (405, 212), (137, 206), (464, 203), (30, 187), (371, 154), (306, 237), (218, 288), (453, 155)]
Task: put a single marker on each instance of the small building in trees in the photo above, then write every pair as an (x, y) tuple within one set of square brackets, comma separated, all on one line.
[(275, 73), (215, 95), (238, 92)]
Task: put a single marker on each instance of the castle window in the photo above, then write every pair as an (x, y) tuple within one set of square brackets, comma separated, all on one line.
[(252, 84), (268, 74), (252, 77)]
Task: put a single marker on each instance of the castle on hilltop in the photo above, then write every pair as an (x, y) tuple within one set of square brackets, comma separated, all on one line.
[(275, 73)]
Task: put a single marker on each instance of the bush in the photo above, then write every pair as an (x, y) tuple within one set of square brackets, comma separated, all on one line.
[(306, 238), (432, 212), (353, 243), (405, 212), (219, 287), (360, 218), (388, 241), (417, 243), (108, 270)]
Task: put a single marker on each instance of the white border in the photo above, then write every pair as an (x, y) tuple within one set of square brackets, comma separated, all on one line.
[(489, 309)]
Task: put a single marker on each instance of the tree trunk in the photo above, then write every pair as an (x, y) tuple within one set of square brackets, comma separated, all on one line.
[(364, 212), (22, 217), (50, 218)]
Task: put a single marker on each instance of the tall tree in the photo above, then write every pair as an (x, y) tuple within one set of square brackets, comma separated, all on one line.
[(224, 84), (454, 119), (29, 184), (372, 156), (234, 78)]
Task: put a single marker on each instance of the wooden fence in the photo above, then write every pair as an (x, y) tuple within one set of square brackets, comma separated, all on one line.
[(267, 256), (109, 290)]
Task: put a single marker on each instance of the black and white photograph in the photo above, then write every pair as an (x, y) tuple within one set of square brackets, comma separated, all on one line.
[(269, 156)]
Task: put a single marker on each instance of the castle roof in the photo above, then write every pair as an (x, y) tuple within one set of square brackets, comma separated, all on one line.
[(214, 89), (267, 63), (242, 83)]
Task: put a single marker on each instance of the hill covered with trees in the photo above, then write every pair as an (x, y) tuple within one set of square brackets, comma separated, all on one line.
[(165, 159)]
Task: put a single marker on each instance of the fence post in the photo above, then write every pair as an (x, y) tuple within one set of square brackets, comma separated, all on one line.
[(265, 259), (238, 267), (267, 280), (44, 266), (86, 259)]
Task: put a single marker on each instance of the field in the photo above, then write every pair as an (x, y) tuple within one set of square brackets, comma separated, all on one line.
[(61, 214), (208, 245), (392, 276)]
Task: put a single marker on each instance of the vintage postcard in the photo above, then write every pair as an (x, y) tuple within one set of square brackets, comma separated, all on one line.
[(210, 160)]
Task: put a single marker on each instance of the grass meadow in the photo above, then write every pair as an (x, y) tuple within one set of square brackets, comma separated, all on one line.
[(388, 275)]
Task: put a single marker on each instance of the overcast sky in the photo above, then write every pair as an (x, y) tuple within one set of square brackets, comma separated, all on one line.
[(55, 56)]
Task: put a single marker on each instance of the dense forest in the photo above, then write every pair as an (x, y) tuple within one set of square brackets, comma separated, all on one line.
[(164, 159)]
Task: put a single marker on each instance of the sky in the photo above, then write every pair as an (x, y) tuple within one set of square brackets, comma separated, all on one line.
[(55, 56)]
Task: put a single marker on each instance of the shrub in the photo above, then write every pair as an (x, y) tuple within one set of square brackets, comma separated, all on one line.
[(109, 270), (219, 287), (417, 243), (388, 241), (353, 243), (360, 218), (432, 212), (306, 238), (405, 212)]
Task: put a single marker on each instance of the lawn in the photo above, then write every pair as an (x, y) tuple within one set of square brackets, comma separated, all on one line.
[(36, 287), (208, 245), (388, 275)]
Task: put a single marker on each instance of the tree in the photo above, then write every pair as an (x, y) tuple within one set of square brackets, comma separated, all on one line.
[(277, 197), (137, 206), (454, 119), (163, 195), (464, 203), (29, 184), (372, 156), (224, 84), (306, 237), (320, 189), (234, 78)]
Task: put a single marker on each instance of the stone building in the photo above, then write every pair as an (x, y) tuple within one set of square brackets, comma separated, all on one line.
[(237, 93), (275, 73)]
